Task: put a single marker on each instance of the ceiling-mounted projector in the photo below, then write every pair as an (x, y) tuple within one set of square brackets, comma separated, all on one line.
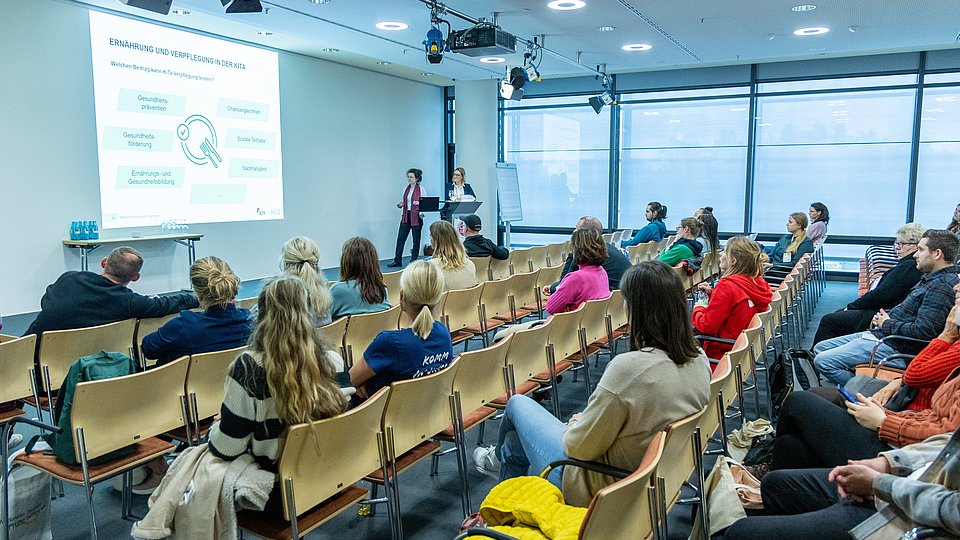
[(482, 40)]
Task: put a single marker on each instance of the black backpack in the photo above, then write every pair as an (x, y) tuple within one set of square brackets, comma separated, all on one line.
[(792, 370)]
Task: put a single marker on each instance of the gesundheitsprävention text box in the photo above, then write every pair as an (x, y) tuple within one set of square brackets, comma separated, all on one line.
[(139, 101)]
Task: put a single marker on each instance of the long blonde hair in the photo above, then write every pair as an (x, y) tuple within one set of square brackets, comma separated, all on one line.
[(214, 281), (421, 285), (300, 256), (750, 258), (299, 375), (801, 235), (447, 248)]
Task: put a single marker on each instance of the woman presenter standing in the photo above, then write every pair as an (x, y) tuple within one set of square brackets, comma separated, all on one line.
[(411, 219)]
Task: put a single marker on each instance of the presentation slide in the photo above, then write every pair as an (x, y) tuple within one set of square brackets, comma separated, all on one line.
[(188, 127)]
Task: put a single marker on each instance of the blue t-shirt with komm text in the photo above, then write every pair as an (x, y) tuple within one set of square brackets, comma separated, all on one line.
[(397, 355)]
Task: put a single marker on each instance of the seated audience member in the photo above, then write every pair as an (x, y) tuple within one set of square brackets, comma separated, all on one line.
[(300, 256), (475, 243), (919, 316), (701, 211), (662, 379), (711, 241), (361, 288), (813, 432), (425, 348), (890, 290), (653, 231), (82, 299), (819, 219), (450, 258), (918, 482), (615, 263), (284, 378), (685, 245), (221, 326), (954, 226), (589, 281), (794, 245), (739, 294)]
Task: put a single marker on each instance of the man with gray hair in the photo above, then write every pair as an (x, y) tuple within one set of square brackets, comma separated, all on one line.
[(82, 299), (615, 264), (890, 290)]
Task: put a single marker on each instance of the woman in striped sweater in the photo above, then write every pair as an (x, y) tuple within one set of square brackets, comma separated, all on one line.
[(285, 377)]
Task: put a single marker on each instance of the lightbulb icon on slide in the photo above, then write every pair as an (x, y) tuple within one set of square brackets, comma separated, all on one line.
[(198, 139)]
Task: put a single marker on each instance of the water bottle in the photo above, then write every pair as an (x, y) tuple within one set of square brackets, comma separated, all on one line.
[(94, 233), (84, 231), (74, 230)]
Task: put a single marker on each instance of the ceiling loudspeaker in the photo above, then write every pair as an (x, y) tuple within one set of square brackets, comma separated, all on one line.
[(157, 6)]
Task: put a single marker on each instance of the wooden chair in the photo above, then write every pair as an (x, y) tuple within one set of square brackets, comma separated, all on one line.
[(520, 262), (527, 356), (481, 378), (618, 322), (392, 282), (733, 387), (111, 414), (500, 269), (593, 326), (565, 345), (714, 419), (144, 328), (246, 303), (482, 265), (203, 389), (524, 295), (538, 257), (682, 444), (555, 254), (416, 410), (607, 237), (19, 379), (318, 477), (548, 276), (333, 334), (495, 306), (59, 348), (361, 329), (461, 314)]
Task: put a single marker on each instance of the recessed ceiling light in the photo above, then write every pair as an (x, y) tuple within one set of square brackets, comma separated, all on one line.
[(180, 12), (383, 63), (811, 31), (606, 28), (563, 5), (804, 7), (493, 60), (330, 50), (425, 74), (264, 33), (319, 1), (637, 47), (392, 25)]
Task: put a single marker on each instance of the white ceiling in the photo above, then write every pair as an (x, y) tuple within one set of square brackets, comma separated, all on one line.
[(683, 33)]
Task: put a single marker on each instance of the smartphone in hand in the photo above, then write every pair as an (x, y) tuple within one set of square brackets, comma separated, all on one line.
[(847, 396)]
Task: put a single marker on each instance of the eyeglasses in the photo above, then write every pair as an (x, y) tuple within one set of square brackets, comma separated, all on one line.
[(900, 244)]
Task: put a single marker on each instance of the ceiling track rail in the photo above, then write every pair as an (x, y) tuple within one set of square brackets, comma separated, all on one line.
[(650, 22)]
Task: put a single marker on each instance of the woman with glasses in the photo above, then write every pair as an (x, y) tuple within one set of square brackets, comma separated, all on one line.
[(886, 293)]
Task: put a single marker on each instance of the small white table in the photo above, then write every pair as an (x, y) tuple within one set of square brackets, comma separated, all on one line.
[(87, 246)]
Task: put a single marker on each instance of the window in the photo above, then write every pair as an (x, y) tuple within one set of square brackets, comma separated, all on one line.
[(685, 155), (837, 148), (562, 157), (937, 196)]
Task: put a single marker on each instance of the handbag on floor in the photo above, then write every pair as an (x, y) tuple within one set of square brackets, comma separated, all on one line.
[(792, 370), (29, 502)]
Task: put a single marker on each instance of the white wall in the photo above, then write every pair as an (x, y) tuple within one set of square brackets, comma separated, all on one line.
[(348, 137), (476, 140)]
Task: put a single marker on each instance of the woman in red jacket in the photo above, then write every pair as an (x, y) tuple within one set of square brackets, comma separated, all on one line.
[(739, 294)]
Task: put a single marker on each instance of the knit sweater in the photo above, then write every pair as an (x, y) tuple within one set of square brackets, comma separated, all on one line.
[(929, 369), (943, 416), (457, 278), (587, 283)]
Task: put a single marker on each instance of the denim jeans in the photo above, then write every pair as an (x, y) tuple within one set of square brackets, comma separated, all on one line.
[(835, 358), (530, 438)]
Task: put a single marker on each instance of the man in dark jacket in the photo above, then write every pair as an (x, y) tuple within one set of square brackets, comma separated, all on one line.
[(82, 299), (893, 287), (615, 264), (478, 246)]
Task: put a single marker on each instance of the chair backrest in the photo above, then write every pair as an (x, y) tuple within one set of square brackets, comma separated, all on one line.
[(523, 288), (314, 458), (392, 281), (527, 353), (361, 329), (555, 254), (146, 327), (617, 310), (500, 269), (204, 381), (246, 303), (16, 361), (607, 237), (519, 261), (461, 308), (118, 412), (710, 420), (549, 275), (482, 266), (623, 509), (679, 446), (418, 409), (480, 377), (594, 321), (565, 333), (59, 348), (538, 256), (333, 333), (495, 297)]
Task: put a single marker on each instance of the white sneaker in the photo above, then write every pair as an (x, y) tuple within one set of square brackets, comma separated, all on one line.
[(486, 460), (15, 440)]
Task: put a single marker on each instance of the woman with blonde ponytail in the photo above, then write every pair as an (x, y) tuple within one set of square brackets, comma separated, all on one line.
[(795, 244), (300, 256), (740, 293), (285, 377), (413, 352), (220, 326)]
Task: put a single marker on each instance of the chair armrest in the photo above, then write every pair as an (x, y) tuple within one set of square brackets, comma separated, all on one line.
[(594, 466), (34, 423), (703, 337), (482, 531), (895, 337)]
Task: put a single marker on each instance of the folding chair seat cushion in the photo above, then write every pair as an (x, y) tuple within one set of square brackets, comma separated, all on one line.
[(264, 526), (407, 460), (144, 451)]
